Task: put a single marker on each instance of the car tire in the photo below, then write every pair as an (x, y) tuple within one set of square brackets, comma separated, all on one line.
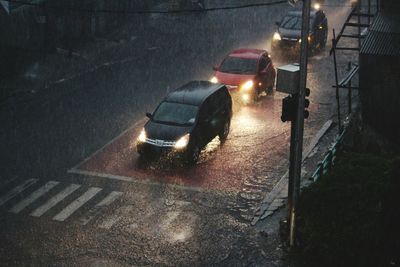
[(323, 43), (256, 96), (223, 135), (193, 155), (270, 89)]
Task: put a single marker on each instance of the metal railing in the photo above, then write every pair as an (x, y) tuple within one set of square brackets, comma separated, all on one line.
[(329, 160)]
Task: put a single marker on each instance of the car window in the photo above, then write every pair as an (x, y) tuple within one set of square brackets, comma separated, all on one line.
[(293, 22), (239, 65), (175, 113)]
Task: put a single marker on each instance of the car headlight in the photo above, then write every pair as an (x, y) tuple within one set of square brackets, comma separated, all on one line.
[(276, 37), (142, 136), (308, 38), (182, 142), (247, 85), (214, 80)]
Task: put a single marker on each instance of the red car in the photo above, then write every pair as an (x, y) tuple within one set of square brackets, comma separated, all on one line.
[(248, 71)]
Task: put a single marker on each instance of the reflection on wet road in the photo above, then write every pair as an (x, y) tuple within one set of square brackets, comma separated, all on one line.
[(256, 142)]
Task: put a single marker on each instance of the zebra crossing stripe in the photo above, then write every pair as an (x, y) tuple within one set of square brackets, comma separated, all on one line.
[(76, 204), (110, 198), (15, 191), (93, 212), (109, 222), (33, 197), (55, 200)]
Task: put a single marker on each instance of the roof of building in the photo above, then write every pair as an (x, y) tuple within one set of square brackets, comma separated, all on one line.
[(383, 37), (193, 93)]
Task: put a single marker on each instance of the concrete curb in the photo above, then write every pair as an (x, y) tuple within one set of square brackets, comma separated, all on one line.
[(278, 195)]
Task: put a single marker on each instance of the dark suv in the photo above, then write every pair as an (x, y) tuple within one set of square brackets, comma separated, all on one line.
[(288, 35), (187, 120)]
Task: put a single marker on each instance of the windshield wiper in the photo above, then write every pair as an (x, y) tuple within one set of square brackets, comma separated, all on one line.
[(173, 123)]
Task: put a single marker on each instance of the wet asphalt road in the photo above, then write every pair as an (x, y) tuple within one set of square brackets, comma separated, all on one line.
[(161, 215)]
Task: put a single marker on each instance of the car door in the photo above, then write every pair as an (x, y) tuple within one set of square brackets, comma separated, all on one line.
[(206, 129), (263, 71), (217, 113)]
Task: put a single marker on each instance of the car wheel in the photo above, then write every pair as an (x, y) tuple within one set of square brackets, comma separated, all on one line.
[(270, 89), (224, 132), (193, 155), (323, 43), (256, 95)]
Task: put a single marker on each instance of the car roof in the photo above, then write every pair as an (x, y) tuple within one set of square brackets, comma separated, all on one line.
[(193, 93), (248, 53)]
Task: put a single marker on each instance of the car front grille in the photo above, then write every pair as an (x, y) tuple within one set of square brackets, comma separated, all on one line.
[(160, 143)]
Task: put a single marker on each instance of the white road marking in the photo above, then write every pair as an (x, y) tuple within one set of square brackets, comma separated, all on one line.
[(142, 121), (102, 175), (134, 180), (110, 198), (15, 191), (76, 204), (108, 223), (55, 200), (33, 197)]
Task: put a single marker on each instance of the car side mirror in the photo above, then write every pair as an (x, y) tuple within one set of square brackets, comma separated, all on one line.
[(149, 115), (277, 23), (215, 68)]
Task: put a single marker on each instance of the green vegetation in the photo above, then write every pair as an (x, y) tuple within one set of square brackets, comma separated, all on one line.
[(351, 216)]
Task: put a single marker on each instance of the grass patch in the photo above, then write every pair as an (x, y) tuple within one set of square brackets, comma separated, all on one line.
[(351, 216)]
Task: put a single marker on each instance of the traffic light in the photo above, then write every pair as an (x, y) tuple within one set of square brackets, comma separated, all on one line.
[(306, 103), (289, 107)]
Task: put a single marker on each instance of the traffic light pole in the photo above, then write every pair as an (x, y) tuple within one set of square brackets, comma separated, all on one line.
[(298, 125)]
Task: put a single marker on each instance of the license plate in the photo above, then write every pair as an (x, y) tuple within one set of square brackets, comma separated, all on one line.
[(159, 142)]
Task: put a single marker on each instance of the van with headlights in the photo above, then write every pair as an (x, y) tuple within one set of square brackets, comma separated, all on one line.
[(186, 121)]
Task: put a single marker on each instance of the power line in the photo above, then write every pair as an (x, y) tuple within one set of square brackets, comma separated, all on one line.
[(87, 10)]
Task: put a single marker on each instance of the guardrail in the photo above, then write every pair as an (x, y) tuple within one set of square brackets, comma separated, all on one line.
[(326, 164)]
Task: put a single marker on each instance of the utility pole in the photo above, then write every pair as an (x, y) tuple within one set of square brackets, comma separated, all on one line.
[(298, 125)]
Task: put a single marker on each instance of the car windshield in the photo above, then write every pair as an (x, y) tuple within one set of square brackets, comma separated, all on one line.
[(175, 113), (239, 65), (293, 22)]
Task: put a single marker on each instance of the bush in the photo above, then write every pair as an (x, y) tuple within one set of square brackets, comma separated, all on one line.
[(347, 217)]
